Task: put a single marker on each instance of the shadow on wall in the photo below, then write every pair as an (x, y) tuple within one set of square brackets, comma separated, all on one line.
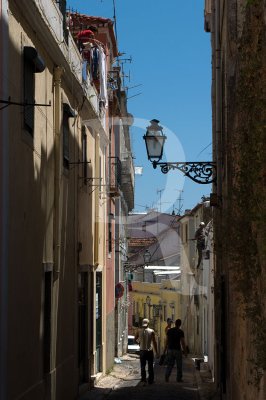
[(35, 311)]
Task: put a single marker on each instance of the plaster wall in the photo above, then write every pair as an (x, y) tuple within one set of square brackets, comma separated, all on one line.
[(238, 58), (31, 233)]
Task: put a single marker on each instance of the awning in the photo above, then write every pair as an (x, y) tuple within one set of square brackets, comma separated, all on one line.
[(177, 272)]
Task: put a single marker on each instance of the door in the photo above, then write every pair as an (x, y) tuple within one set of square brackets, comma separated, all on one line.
[(98, 306), (82, 326)]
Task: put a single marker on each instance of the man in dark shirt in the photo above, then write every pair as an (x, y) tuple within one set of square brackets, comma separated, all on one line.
[(175, 343)]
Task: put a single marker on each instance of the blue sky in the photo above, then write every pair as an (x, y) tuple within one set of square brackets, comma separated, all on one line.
[(172, 63)]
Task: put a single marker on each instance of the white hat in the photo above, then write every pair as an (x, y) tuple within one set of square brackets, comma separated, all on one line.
[(202, 224), (145, 322)]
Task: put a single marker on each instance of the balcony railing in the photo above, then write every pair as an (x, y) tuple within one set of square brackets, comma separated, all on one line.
[(115, 176), (128, 179)]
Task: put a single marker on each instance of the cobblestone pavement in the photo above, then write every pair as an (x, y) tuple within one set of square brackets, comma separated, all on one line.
[(124, 383), (159, 390)]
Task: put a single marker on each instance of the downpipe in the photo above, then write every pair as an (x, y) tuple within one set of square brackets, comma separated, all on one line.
[(58, 71), (4, 200)]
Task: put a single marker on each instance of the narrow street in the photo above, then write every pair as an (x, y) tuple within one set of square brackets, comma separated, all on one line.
[(124, 382), (132, 199)]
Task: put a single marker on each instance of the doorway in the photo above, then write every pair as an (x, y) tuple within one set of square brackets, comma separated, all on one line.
[(83, 326), (98, 315)]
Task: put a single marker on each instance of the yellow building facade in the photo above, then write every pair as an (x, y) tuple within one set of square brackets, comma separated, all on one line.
[(157, 302)]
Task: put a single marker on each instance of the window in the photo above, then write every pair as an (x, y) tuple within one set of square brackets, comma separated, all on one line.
[(32, 65), (100, 176), (84, 154), (110, 237), (67, 113), (47, 317), (29, 93), (65, 141), (186, 233)]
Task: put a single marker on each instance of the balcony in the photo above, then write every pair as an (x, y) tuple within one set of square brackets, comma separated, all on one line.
[(54, 35), (115, 176), (128, 180)]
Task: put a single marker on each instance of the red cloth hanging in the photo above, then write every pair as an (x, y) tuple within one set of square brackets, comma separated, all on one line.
[(85, 35)]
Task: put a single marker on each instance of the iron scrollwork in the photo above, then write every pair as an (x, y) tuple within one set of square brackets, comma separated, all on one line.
[(202, 172), (133, 267)]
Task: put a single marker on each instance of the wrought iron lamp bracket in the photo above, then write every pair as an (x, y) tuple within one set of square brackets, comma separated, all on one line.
[(132, 268), (202, 172)]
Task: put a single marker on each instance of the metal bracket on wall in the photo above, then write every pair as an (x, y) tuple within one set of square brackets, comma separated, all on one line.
[(22, 104), (79, 163)]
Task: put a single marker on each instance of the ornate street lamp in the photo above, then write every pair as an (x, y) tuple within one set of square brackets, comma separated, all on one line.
[(202, 172), (154, 140), (147, 257)]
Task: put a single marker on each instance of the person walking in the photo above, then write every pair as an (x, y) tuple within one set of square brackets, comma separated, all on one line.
[(145, 336), (169, 322), (175, 343)]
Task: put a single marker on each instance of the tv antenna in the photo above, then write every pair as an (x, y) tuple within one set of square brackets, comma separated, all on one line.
[(179, 201)]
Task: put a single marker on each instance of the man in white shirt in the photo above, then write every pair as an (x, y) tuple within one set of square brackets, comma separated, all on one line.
[(146, 339)]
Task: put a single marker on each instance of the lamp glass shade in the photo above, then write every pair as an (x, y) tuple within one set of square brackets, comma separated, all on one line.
[(154, 140), (154, 146)]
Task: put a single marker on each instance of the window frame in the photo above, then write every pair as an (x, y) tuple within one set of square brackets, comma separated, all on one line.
[(32, 64)]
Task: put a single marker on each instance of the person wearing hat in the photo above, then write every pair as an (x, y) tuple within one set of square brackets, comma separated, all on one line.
[(200, 238), (145, 336)]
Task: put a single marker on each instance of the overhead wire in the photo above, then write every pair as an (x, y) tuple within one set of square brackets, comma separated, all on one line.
[(204, 149)]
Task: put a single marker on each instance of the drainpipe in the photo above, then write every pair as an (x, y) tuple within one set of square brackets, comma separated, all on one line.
[(58, 71), (218, 132), (97, 193), (4, 208), (96, 238), (218, 212)]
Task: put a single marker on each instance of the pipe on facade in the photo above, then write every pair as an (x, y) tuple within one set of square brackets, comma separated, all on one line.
[(96, 202), (4, 203), (58, 71), (218, 110), (218, 156)]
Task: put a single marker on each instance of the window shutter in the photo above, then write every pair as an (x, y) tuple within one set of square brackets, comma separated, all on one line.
[(65, 141), (29, 91), (84, 154)]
